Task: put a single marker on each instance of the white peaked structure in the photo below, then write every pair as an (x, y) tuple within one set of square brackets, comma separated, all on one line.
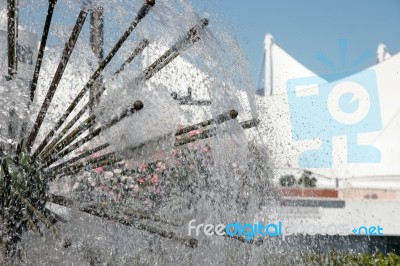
[(354, 194), (275, 114), (279, 67)]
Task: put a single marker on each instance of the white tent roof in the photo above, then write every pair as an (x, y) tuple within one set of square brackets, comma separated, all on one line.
[(279, 67), (276, 129)]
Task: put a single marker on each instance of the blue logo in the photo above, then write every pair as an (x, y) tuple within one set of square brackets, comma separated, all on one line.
[(347, 107), (249, 230), (368, 231)]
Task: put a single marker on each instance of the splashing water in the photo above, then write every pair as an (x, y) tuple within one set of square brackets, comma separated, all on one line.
[(213, 180)]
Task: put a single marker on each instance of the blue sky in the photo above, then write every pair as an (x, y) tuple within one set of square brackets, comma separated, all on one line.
[(305, 28)]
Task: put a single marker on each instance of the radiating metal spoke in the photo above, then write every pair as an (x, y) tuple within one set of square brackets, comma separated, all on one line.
[(160, 63), (52, 170), (12, 37), (141, 14), (191, 242), (137, 106), (42, 46), (218, 120), (212, 132), (38, 214), (69, 47)]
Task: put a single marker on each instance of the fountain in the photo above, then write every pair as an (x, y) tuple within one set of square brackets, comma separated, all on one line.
[(97, 156)]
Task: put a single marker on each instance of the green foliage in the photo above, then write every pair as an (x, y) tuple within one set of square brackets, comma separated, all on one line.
[(336, 259), (306, 180), (287, 181)]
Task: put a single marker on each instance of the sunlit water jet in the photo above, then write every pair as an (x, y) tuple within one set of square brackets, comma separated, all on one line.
[(213, 178)]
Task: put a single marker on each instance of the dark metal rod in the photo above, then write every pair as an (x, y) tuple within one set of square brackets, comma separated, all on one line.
[(73, 147), (43, 149), (138, 105), (69, 47), (89, 163), (151, 71), (97, 31), (191, 38), (60, 200), (5, 207), (143, 44), (142, 13), (220, 119), (85, 125), (52, 170), (139, 214), (38, 214), (91, 166), (160, 63), (212, 132), (97, 43), (250, 123), (42, 46), (190, 242), (12, 37)]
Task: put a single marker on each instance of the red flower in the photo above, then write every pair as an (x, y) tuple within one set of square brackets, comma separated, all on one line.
[(141, 180), (155, 179), (99, 170)]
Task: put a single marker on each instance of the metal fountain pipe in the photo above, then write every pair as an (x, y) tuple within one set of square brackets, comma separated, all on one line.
[(232, 114), (102, 160), (45, 34), (72, 122), (102, 213), (88, 124), (96, 43), (69, 47), (212, 132), (137, 106), (191, 38), (160, 63), (143, 44), (85, 125), (141, 14), (12, 37), (88, 153)]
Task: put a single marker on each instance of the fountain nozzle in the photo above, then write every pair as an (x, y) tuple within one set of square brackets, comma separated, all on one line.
[(233, 114), (138, 105), (151, 2)]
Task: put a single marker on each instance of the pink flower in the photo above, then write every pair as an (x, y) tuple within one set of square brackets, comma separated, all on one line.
[(136, 188), (155, 179), (99, 170), (194, 132), (143, 167), (141, 180), (160, 166)]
